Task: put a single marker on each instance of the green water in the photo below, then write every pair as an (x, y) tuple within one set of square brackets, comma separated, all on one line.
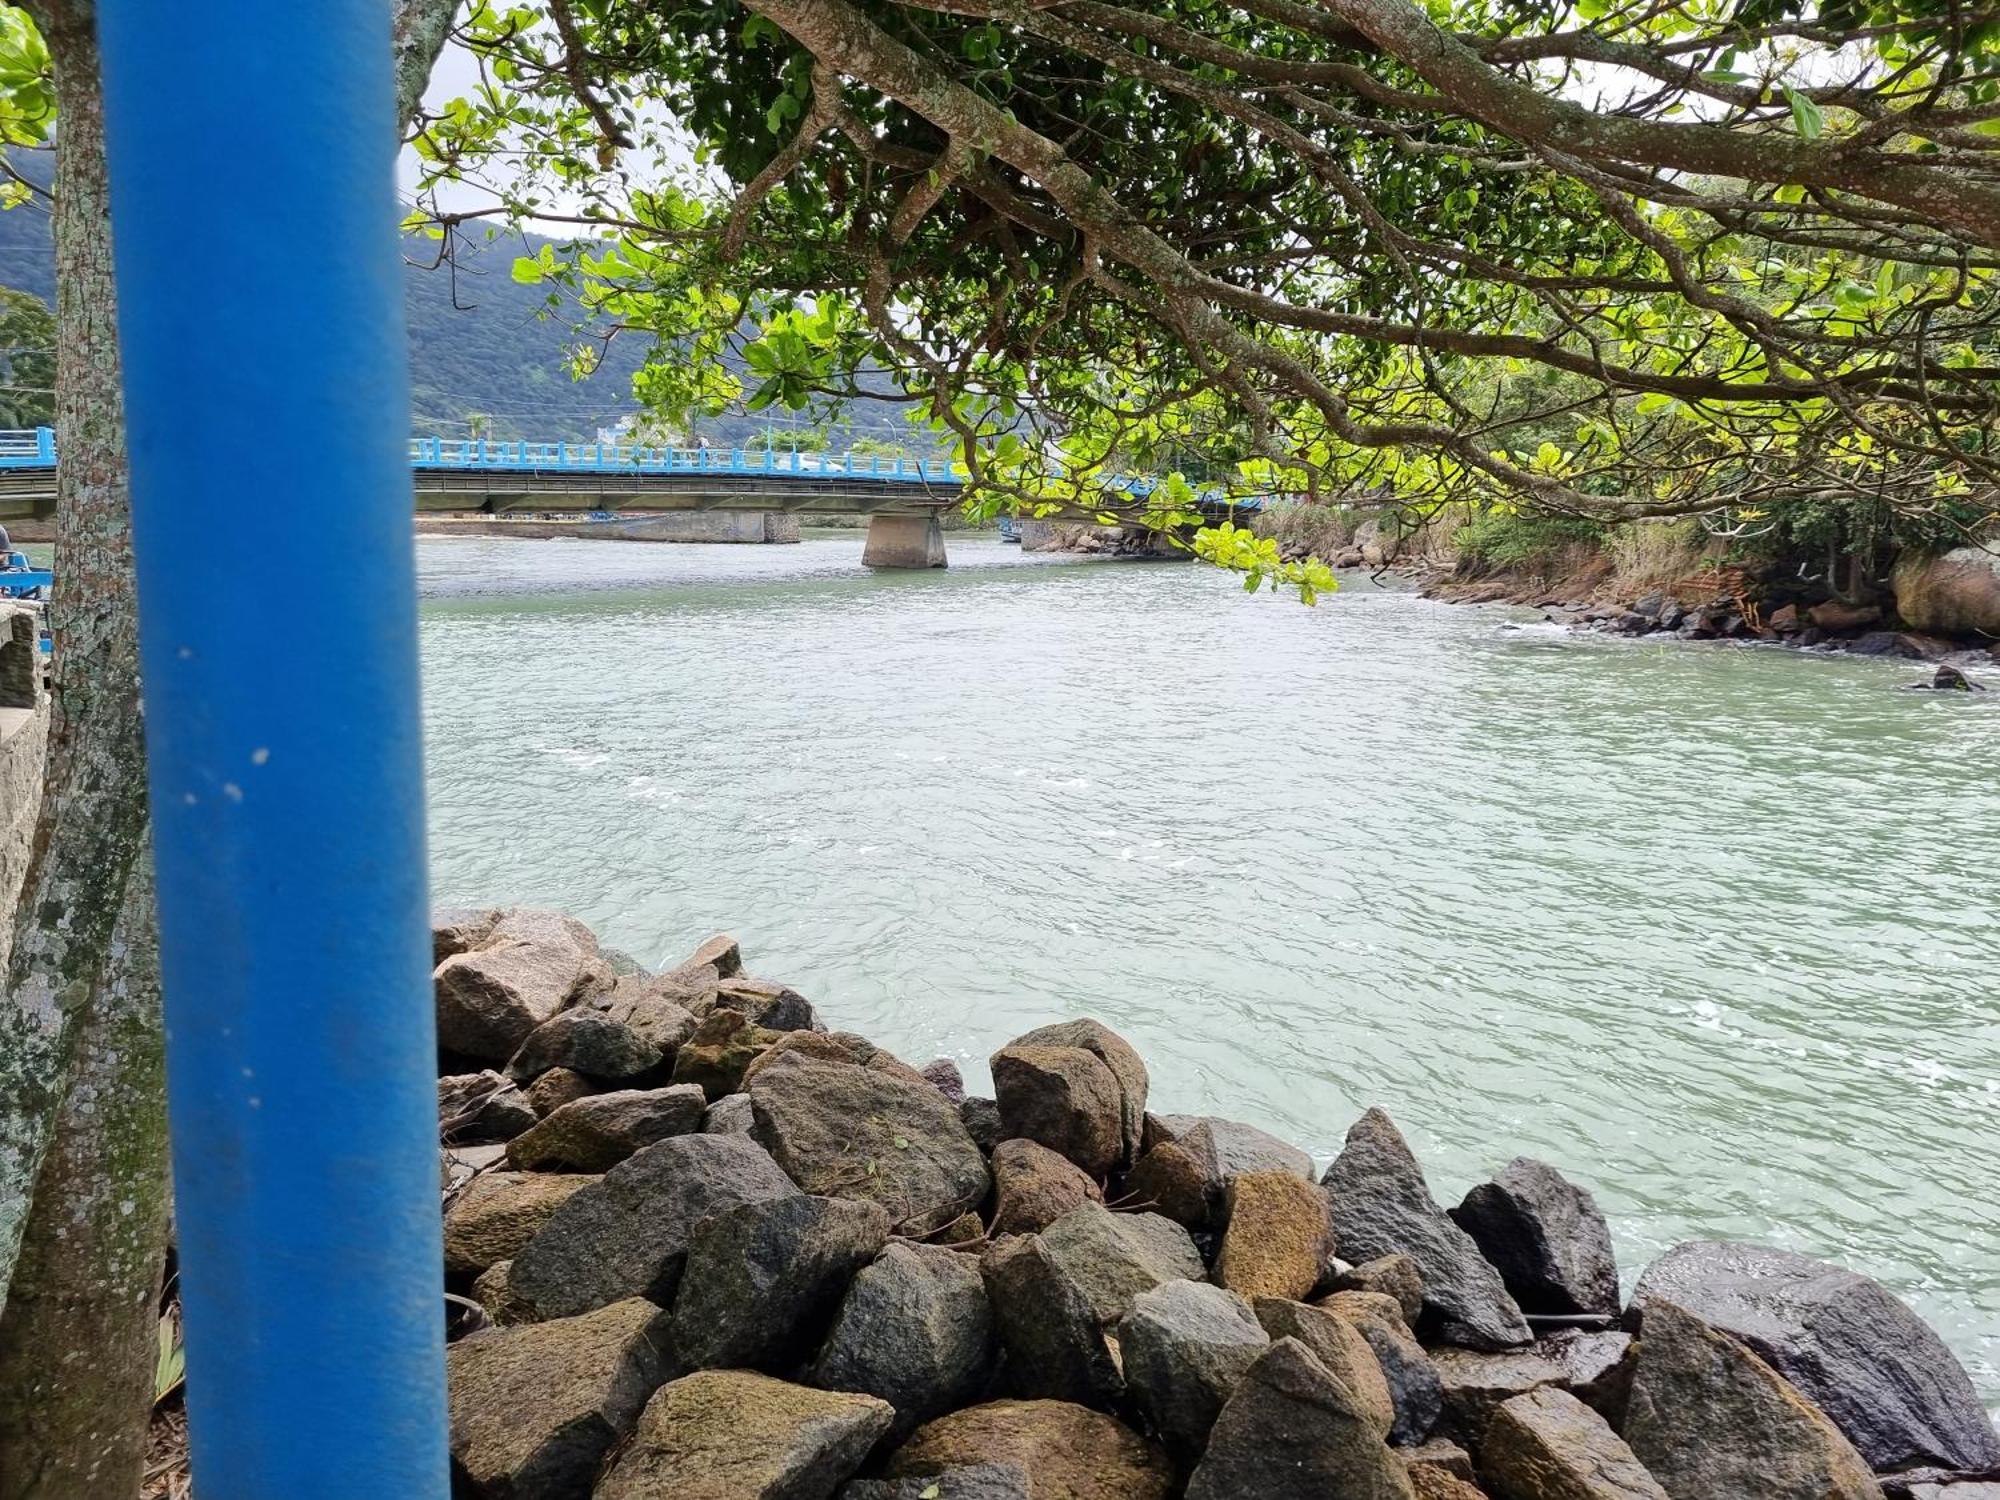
[(1711, 928)]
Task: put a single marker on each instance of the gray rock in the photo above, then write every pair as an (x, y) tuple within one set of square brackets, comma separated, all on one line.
[(1049, 1091), (1112, 1258), (735, 1435), (1712, 1421), (1292, 1430), (981, 1118), (1382, 1206), (1546, 1237), (1547, 1445), (859, 1132), (915, 1329), (729, 1115), (1185, 1345), (1416, 1394), (480, 1109), (762, 1279), (1033, 1187), (587, 1042), (1055, 1344), (627, 1235), (534, 1409), (1338, 1344), (526, 969), (720, 1051), (1861, 1356), (596, 1132), (967, 1482), (773, 1006), (460, 929), (1594, 1367)]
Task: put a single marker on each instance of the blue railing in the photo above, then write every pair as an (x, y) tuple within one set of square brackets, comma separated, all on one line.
[(36, 448)]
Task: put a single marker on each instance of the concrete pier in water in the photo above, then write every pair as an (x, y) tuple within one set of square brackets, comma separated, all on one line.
[(904, 542)]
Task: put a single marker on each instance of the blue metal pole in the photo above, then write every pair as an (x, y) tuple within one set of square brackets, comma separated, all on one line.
[(279, 651), (45, 444)]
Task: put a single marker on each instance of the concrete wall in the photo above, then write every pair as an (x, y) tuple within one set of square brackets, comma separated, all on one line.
[(698, 526), (24, 732)]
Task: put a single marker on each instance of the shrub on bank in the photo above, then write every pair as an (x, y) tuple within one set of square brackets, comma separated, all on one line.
[(1514, 541)]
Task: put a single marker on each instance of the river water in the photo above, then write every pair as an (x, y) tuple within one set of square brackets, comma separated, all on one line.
[(1709, 927)]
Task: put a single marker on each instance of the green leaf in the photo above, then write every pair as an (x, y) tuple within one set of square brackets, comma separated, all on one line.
[(1806, 115), (527, 270)]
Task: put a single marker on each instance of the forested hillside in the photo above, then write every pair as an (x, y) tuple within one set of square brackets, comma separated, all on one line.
[(480, 345)]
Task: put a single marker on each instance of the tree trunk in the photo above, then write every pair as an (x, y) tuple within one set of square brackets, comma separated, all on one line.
[(89, 835), (78, 1339)]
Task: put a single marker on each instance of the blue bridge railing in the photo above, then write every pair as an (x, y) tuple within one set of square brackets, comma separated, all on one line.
[(35, 448)]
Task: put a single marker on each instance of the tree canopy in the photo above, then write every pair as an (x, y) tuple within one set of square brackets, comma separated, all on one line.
[(1615, 258)]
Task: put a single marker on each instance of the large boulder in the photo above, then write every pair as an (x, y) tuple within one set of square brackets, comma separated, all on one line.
[(915, 1329), (1077, 1088), (1338, 1344), (1955, 594), (1547, 1445), (860, 1132), (526, 968), (1278, 1237), (762, 1279), (1856, 1352), (498, 1212), (766, 1003), (1055, 1344), (1033, 1187), (534, 1409), (1416, 1394), (735, 1435), (1546, 1237), (1595, 1367), (1382, 1206), (1712, 1421), (586, 1041), (1190, 1160), (722, 1047), (627, 1234), (1067, 1452), (1291, 1430), (598, 1131), (1185, 1345), (1112, 1258)]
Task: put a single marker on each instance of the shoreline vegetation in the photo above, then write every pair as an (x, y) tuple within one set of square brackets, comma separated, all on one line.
[(700, 1244), (1922, 603)]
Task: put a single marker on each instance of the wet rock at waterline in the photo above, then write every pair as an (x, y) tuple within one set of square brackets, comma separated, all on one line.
[(734, 1435), (1595, 1367), (527, 967), (627, 1234), (1708, 1418), (1546, 1237), (1382, 1206), (1850, 1347), (1190, 1161), (1077, 1088), (1416, 1394)]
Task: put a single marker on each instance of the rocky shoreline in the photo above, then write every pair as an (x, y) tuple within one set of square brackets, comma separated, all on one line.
[(701, 1247)]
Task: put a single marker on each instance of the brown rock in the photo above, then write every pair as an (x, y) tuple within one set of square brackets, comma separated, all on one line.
[(1547, 1445), (1279, 1236), (595, 1133), (498, 1212), (1430, 1483), (1033, 1187), (460, 930), (1712, 1421), (732, 1435), (534, 1409), (480, 1109), (1594, 1367), (721, 1048), (489, 999), (721, 953), (1414, 1388), (556, 1088), (1441, 1455), (1095, 1117), (1339, 1346), (1068, 1452), (492, 1289), (1833, 615), (800, 1044), (1394, 1275)]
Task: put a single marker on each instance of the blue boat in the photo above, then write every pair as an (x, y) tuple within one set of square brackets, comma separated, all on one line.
[(1010, 529)]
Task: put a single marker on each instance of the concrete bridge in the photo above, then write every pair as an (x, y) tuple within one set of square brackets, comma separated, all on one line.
[(902, 497)]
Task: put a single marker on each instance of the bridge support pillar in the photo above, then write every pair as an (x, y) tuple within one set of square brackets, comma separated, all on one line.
[(904, 542)]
